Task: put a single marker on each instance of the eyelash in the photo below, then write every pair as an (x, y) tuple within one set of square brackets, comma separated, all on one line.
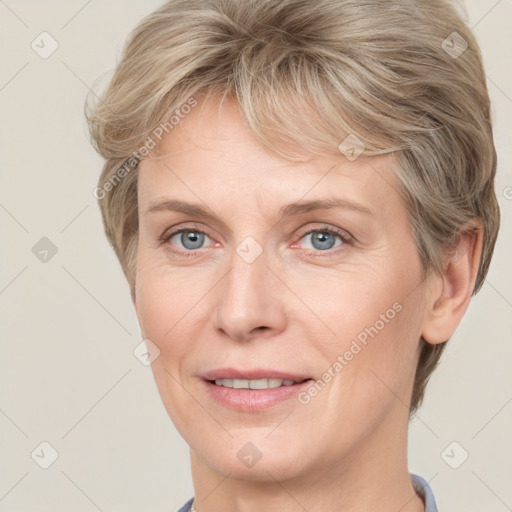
[(343, 235)]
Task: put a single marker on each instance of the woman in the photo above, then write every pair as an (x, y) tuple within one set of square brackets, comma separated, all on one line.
[(301, 197)]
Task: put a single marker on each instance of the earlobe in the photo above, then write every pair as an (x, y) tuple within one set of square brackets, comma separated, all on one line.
[(449, 295)]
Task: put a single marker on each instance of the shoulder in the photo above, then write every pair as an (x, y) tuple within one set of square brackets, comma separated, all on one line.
[(186, 507), (423, 489)]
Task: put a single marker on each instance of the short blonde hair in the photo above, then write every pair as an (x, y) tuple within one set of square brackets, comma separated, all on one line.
[(402, 76)]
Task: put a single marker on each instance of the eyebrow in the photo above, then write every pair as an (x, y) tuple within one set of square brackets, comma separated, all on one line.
[(322, 204), (297, 208)]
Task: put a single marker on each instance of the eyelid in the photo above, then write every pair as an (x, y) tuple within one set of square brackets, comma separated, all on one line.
[(174, 230)]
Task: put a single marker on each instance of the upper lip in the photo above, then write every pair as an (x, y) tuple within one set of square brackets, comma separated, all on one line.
[(253, 374)]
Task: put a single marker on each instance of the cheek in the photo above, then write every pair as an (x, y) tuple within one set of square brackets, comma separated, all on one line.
[(163, 297), (164, 304), (359, 304), (374, 318), (373, 360)]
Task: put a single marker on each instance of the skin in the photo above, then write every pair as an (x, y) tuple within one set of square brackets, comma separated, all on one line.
[(295, 308)]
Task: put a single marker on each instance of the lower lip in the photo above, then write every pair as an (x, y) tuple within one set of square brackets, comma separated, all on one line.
[(252, 400)]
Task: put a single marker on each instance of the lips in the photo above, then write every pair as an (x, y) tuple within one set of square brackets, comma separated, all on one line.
[(253, 390)]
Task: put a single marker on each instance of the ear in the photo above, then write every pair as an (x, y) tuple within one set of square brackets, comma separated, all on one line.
[(449, 294)]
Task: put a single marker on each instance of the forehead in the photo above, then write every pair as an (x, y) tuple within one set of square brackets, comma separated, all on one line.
[(213, 157)]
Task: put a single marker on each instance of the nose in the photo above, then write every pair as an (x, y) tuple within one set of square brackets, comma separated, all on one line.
[(250, 300)]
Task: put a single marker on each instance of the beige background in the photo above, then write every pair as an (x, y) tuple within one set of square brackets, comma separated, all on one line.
[(68, 374)]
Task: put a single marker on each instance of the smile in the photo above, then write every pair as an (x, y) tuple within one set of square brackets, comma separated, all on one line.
[(255, 383)]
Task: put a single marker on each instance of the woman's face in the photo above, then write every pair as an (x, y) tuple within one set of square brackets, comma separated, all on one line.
[(240, 273)]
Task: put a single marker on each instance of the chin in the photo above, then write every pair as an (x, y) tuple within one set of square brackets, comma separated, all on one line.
[(255, 461)]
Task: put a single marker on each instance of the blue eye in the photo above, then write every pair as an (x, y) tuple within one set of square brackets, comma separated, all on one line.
[(324, 239), (191, 239)]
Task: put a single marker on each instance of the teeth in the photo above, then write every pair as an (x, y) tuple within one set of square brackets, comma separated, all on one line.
[(260, 384), (254, 384)]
